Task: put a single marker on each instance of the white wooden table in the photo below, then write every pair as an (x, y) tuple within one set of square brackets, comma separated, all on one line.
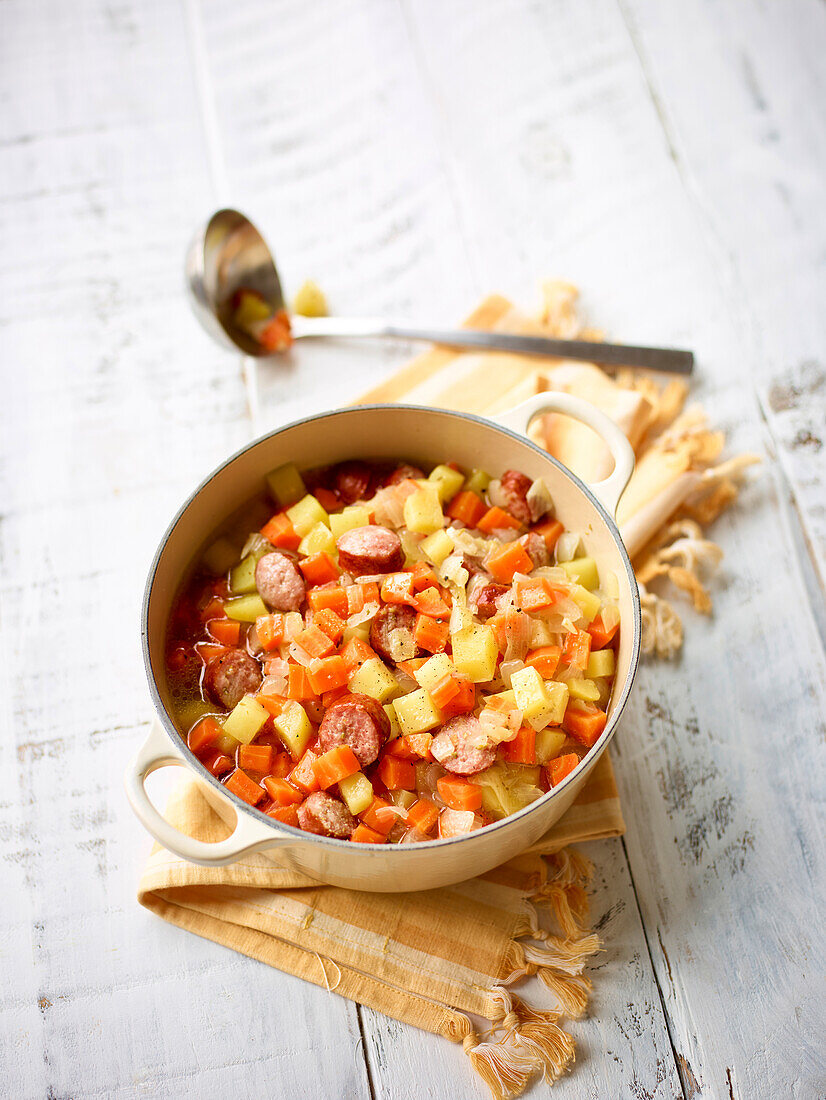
[(412, 155)]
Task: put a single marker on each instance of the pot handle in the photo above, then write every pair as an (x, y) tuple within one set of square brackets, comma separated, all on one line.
[(248, 836), (610, 489)]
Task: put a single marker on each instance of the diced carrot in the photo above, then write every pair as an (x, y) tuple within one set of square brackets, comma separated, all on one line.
[(458, 793), (299, 686), (206, 732), (330, 623), (274, 704), (397, 588), (282, 765), (314, 642), (461, 703), (280, 532), (423, 577), (544, 660), (225, 631), (303, 774), (355, 652), (601, 636), (370, 590), (558, 769), (287, 815), (218, 763), (431, 602), (444, 690), (496, 519), (577, 650), (331, 597), (412, 666), (240, 783), (328, 674), (522, 750), (423, 815), (275, 334), (177, 658), (536, 593), (332, 696), (327, 499), (467, 507), (319, 569), (208, 652), (380, 815), (396, 774), (418, 745), (430, 634), (335, 765), (363, 834), (550, 530), (270, 631), (354, 594), (213, 610), (509, 559), (584, 724), (281, 792), (255, 758)]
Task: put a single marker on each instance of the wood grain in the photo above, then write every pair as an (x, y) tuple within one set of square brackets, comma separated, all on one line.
[(411, 156)]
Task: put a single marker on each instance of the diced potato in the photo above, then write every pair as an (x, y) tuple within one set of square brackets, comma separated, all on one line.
[(246, 609), (602, 662), (294, 728), (357, 792), (320, 538), (538, 699), (548, 744), (589, 602), (306, 514), (582, 570), (475, 652), (309, 300), (242, 577), (245, 720), (477, 481), (352, 516), (540, 634), (416, 713), (395, 728), (286, 484), (220, 556), (608, 583), (362, 630), (586, 690), (404, 799), (447, 480), (435, 669), (375, 679), (437, 547), (423, 511)]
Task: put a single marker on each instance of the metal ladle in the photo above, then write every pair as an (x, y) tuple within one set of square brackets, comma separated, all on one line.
[(229, 253)]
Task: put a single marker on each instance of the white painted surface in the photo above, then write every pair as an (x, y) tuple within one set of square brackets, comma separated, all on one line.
[(411, 156)]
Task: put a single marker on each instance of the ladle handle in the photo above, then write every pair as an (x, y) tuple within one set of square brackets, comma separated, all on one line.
[(670, 360)]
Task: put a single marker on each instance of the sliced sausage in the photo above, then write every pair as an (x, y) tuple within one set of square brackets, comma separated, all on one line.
[(351, 481), (385, 642), (279, 582), (514, 493), (370, 549), (405, 472), (536, 549), (357, 721), (483, 598), (326, 816), (231, 676), (456, 738)]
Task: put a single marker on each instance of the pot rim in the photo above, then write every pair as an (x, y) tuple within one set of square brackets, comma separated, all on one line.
[(301, 835)]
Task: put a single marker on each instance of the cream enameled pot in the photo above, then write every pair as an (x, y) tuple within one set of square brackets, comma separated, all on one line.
[(425, 436)]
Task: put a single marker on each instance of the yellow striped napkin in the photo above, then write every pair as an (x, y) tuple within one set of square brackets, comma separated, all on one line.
[(446, 960)]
